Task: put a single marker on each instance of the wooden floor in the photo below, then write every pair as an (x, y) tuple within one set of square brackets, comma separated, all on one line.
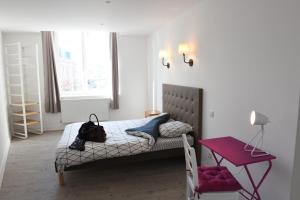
[(30, 175)]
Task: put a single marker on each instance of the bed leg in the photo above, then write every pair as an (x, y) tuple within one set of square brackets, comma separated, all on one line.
[(61, 178)]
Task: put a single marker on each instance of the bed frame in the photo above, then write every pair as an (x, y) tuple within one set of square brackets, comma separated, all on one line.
[(183, 104)]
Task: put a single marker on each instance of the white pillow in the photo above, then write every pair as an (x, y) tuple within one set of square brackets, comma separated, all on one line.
[(174, 129)]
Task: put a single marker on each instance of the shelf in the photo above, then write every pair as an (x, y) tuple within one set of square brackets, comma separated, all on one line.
[(12, 44), (26, 104), (28, 65), (28, 113), (15, 95), (35, 131), (28, 122), (22, 63), (12, 54), (15, 85), (15, 75), (14, 65), (20, 135)]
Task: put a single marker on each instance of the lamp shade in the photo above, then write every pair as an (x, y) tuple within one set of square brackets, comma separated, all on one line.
[(257, 118), (183, 48), (163, 54)]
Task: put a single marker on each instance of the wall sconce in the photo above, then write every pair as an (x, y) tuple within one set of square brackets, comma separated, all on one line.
[(184, 49), (163, 54)]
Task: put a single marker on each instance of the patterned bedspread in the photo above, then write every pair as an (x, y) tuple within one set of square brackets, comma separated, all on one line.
[(118, 143)]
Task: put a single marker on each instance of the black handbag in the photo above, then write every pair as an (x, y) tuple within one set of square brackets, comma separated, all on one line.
[(90, 131)]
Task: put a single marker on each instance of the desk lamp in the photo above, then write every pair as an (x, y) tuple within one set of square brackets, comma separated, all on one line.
[(258, 119)]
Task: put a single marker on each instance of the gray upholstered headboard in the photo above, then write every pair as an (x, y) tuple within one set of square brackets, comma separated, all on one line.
[(185, 104)]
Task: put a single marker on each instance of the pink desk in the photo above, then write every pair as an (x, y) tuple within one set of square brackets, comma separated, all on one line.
[(231, 149)]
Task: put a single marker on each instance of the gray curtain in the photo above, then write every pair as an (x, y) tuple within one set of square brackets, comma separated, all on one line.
[(115, 72), (52, 97)]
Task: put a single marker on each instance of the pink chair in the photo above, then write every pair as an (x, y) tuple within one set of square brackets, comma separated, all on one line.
[(208, 182)]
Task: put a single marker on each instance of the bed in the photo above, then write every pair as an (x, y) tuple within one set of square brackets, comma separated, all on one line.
[(182, 103)]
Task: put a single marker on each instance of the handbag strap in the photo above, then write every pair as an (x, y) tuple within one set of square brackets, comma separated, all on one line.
[(95, 117)]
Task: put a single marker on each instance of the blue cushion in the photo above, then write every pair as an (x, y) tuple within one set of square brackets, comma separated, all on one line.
[(152, 127)]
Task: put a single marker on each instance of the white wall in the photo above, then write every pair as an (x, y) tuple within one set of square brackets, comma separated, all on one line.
[(133, 77), (4, 125), (245, 58)]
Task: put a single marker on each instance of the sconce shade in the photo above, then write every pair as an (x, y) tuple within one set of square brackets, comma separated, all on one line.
[(163, 54), (257, 118), (183, 48)]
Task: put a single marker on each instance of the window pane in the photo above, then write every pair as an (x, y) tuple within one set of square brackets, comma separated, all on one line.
[(84, 63), (97, 62), (70, 61)]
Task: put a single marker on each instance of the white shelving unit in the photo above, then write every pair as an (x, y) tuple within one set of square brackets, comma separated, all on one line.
[(24, 90)]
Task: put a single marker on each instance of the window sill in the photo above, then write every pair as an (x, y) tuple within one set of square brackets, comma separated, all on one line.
[(82, 97)]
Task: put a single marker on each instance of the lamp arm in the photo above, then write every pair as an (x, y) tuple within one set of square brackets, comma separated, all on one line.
[(190, 61), (184, 59), (262, 135), (166, 65), (258, 144), (257, 150), (250, 141)]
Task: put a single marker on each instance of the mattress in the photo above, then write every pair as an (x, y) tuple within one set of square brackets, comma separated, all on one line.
[(117, 144)]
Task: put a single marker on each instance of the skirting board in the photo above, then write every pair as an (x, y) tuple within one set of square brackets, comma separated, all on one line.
[(3, 163)]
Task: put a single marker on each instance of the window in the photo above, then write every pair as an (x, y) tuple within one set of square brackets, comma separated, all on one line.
[(83, 64)]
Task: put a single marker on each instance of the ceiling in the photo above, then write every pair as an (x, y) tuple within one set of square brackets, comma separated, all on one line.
[(125, 16)]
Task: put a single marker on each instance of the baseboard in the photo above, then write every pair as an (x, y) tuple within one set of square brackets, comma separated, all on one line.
[(54, 130), (3, 163)]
